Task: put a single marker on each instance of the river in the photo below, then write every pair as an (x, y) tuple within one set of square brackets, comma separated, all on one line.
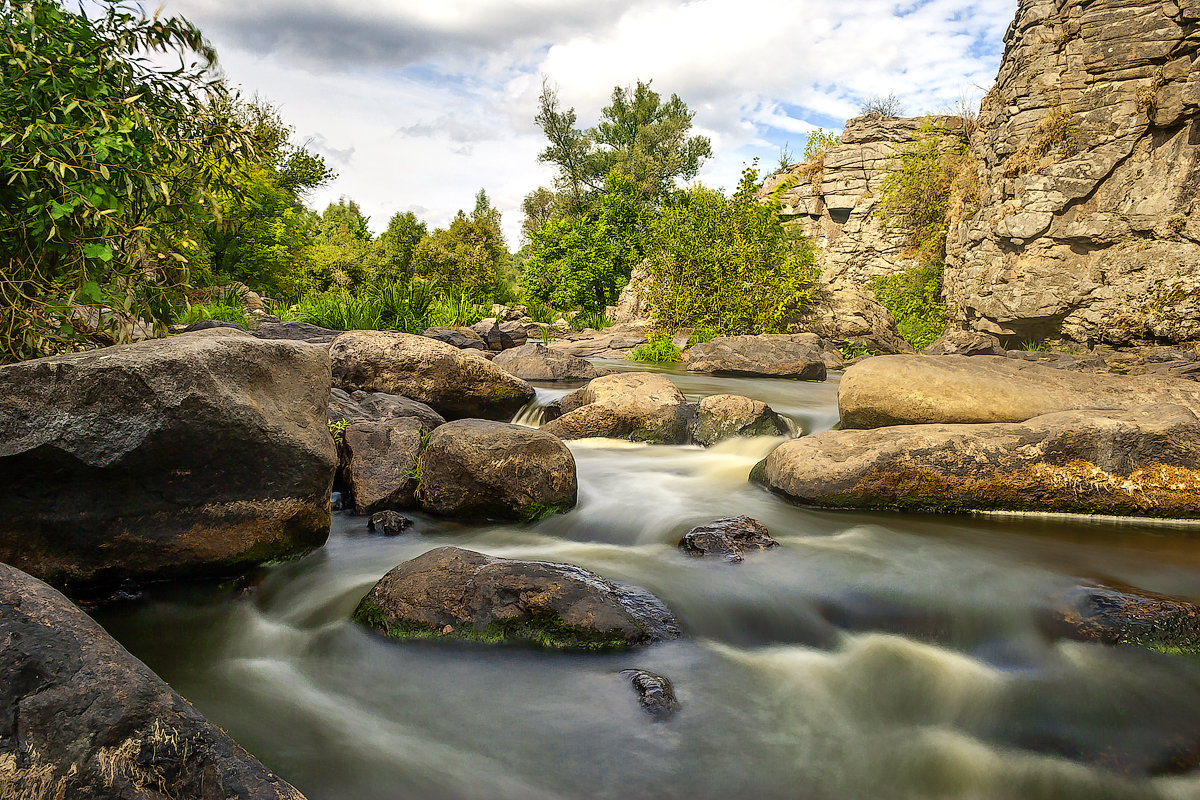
[(870, 656)]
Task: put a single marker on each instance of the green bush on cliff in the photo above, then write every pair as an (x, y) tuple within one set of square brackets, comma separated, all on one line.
[(915, 299), (727, 264)]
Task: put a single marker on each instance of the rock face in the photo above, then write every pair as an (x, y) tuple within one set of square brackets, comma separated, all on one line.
[(380, 463), (492, 470), (795, 355), (633, 304), (731, 537), (965, 343), (81, 717), (201, 453), (903, 390), (462, 338), (1087, 169), (460, 593), (843, 313), (455, 383), (639, 406), (535, 362), (1141, 462), (296, 332), (724, 416)]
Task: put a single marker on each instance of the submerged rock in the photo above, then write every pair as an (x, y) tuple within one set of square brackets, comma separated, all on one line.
[(655, 693), (907, 390), (731, 537), (451, 592), (1141, 463), (475, 468), (82, 718), (391, 523), (785, 355), (1128, 617), (639, 406), (724, 416), (205, 453), (536, 362), (455, 383)]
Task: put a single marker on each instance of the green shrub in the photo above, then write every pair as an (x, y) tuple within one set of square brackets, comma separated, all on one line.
[(915, 299), (591, 319), (342, 311), (701, 335), (851, 350), (659, 350), (222, 312), (1033, 345)]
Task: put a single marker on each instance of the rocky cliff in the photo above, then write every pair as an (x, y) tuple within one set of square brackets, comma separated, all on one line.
[(1088, 169)]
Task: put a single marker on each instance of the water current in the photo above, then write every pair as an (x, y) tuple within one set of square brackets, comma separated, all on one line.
[(870, 656)]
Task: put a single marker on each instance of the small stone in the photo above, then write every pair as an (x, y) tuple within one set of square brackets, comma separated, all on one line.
[(731, 537), (446, 631), (389, 523), (655, 693)]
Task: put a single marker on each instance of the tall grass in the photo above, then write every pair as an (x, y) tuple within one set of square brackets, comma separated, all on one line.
[(411, 307)]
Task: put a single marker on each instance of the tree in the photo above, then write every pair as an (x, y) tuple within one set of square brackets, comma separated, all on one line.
[(344, 216), (638, 134), (106, 162), (397, 243), (467, 257)]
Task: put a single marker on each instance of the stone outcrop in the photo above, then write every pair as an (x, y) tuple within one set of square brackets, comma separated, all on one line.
[(724, 416), (1088, 172), (451, 592), (204, 453), (455, 383), (475, 468), (82, 718), (639, 406), (1141, 462), (796, 355), (536, 362), (462, 338), (905, 390)]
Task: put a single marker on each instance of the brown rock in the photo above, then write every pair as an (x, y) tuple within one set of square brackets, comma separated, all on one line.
[(724, 416), (535, 362), (731, 537), (639, 406), (789, 355)]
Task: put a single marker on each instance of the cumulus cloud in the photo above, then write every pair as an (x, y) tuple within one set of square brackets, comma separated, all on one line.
[(420, 104)]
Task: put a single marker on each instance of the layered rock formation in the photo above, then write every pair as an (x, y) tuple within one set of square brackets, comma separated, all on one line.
[(1088, 175)]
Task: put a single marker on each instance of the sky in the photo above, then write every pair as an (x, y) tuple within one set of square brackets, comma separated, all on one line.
[(418, 104)]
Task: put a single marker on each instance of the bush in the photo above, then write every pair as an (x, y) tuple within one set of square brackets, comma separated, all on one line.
[(727, 264), (915, 299), (659, 350), (591, 319), (222, 312)]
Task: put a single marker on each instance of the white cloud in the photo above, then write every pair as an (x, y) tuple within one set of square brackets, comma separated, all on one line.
[(418, 104)]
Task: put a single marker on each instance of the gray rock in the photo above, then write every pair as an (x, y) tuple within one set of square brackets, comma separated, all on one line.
[(655, 693), (478, 469), (724, 416), (296, 332), (1140, 462), (391, 523), (965, 343), (380, 463), (462, 338), (205, 453), (842, 313), (730, 537), (455, 383), (792, 355), (639, 406), (209, 324), (82, 718), (450, 592), (535, 362), (362, 406)]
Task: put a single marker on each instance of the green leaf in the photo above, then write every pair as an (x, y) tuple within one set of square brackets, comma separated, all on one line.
[(90, 293), (99, 251)]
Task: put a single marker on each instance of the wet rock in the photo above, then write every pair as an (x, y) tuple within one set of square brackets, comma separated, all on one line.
[(1140, 462), (477, 469), (205, 453), (791, 355), (639, 406), (361, 406), (905, 390), (82, 718), (454, 382), (380, 463), (730, 537), (655, 693), (965, 343), (724, 416), (296, 332), (1127, 616), (535, 362), (462, 338), (451, 592), (390, 523), (337, 501)]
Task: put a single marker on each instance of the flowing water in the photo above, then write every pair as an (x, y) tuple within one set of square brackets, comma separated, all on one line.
[(870, 656)]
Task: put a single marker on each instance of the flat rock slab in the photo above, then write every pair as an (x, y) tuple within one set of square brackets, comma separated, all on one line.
[(478, 469), (451, 592), (786, 355), (639, 406), (908, 390), (204, 453), (82, 718), (455, 383), (1141, 462), (535, 362), (296, 332)]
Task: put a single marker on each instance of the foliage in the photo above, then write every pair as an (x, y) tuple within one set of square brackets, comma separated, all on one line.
[(818, 142), (106, 161), (638, 134), (224, 312), (411, 307), (469, 256), (915, 299), (727, 264), (344, 217), (591, 319), (1035, 346), (397, 243), (659, 350), (851, 350), (879, 106), (1053, 138), (701, 335)]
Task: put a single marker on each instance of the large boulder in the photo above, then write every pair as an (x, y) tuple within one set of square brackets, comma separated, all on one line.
[(1142, 462), (362, 406), (475, 468), (380, 462), (785, 355), (904, 390), (639, 406), (201, 453), (450, 592), (82, 718), (296, 332), (536, 362), (462, 338), (455, 383), (724, 416)]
